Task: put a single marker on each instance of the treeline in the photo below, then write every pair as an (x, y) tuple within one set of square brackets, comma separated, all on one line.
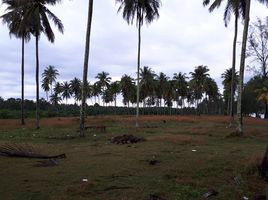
[(10, 109), (159, 95)]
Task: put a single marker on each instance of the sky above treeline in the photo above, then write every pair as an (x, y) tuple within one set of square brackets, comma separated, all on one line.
[(186, 35)]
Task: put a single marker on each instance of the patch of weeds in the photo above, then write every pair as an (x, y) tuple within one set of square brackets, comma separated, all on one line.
[(187, 192)]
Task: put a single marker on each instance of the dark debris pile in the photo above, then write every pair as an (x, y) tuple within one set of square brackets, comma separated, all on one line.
[(126, 139)]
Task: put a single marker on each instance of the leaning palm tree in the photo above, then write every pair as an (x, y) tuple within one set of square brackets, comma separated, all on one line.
[(139, 11), (85, 70), (14, 18), (50, 74), (38, 15), (237, 7)]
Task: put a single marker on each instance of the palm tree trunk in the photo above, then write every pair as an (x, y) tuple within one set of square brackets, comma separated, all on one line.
[(138, 74), (241, 72), (37, 84), (22, 82), (85, 71), (231, 113)]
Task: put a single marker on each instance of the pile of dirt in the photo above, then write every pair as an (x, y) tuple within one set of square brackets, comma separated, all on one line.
[(126, 139)]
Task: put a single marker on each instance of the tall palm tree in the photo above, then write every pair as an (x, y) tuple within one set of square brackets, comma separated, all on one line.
[(14, 18), (237, 7), (38, 15), (139, 11), (85, 69), (242, 65), (50, 74)]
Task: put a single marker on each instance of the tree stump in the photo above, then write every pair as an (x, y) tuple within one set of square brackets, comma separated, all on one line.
[(264, 165)]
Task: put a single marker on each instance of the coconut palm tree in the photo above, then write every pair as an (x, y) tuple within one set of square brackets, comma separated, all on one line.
[(115, 90), (103, 82), (50, 75), (55, 99), (45, 86), (85, 70), (180, 85), (197, 82), (75, 87), (147, 83), (161, 85), (38, 16), (228, 83), (139, 11), (127, 84), (14, 18), (237, 7), (57, 89), (66, 91), (242, 67)]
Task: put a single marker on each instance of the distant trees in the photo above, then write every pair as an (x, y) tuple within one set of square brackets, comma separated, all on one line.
[(258, 46), (156, 90), (139, 11)]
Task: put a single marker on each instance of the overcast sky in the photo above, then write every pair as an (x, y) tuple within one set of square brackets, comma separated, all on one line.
[(186, 35)]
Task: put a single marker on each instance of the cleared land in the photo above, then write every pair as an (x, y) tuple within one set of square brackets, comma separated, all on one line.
[(192, 155)]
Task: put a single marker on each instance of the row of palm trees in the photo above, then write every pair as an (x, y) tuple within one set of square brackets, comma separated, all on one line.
[(155, 90)]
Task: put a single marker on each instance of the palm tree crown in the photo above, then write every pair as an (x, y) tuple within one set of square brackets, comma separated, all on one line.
[(139, 10)]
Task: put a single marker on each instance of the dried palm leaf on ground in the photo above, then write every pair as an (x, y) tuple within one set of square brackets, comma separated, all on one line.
[(25, 150)]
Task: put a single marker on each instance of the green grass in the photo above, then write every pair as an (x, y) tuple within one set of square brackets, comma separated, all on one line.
[(122, 172)]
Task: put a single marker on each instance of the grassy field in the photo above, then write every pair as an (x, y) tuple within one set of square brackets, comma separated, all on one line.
[(195, 154)]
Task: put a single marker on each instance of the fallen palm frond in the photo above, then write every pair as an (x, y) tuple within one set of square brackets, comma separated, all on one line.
[(25, 150)]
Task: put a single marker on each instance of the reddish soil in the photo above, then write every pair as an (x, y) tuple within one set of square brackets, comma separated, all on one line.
[(58, 121)]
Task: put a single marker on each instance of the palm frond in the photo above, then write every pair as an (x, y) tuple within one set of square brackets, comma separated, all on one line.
[(25, 150)]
